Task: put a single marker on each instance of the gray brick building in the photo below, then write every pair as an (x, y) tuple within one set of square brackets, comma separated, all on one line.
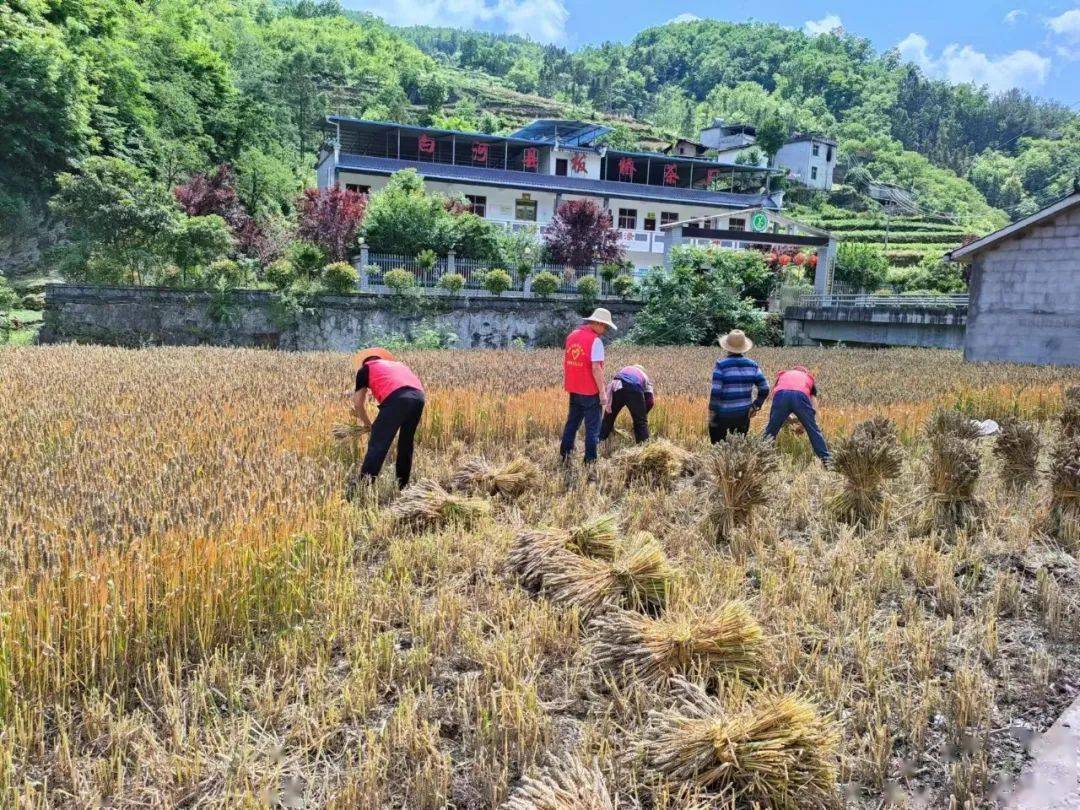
[(1025, 289)]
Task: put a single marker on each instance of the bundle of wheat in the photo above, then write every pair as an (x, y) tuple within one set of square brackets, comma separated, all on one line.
[(565, 784), (741, 467), (656, 463), (1062, 518), (535, 550), (768, 747), (1017, 448), (677, 643), (478, 475), (638, 577), (343, 432), (948, 422), (1070, 413), (426, 504), (953, 474), (867, 458)]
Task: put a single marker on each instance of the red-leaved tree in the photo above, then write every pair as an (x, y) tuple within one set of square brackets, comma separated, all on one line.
[(581, 234), (330, 218), (214, 193)]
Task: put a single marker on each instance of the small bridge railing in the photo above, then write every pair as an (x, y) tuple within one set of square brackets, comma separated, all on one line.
[(870, 300)]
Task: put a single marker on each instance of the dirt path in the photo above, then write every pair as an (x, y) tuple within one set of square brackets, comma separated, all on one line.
[(1051, 781)]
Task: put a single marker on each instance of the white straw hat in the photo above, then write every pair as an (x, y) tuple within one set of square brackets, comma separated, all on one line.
[(736, 342), (601, 315)]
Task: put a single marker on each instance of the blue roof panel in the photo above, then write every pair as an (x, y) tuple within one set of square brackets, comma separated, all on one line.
[(554, 183)]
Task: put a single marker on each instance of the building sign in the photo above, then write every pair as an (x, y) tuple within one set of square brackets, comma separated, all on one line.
[(480, 153), (759, 222), (671, 174), (426, 144), (577, 163), (530, 158), (626, 168)]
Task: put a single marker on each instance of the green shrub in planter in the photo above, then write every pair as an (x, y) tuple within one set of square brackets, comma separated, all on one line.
[(281, 274), (624, 285), (399, 280), (588, 288), (427, 259), (453, 283), (497, 281), (340, 277), (545, 284), (34, 301)]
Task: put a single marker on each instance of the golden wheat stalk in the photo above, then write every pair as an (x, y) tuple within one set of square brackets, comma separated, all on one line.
[(343, 432), (656, 463), (741, 467), (638, 577), (725, 640), (565, 784), (534, 550), (426, 504), (767, 747), (479, 475)]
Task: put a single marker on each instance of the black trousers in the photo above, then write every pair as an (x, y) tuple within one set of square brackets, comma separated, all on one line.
[(633, 401), (399, 414), (720, 425)]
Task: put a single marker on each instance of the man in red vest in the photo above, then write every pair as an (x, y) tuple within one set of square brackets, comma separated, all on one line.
[(583, 379), (794, 394), (400, 396)]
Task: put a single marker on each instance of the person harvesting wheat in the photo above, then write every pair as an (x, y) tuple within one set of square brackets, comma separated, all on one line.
[(400, 396)]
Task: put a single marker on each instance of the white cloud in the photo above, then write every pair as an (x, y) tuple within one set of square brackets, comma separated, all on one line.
[(828, 23), (963, 64), (684, 17), (1066, 30), (543, 20), (1014, 16)]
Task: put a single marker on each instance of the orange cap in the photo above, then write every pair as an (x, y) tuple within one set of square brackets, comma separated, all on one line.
[(376, 352)]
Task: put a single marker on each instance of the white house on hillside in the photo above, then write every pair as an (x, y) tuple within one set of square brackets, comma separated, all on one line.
[(811, 160)]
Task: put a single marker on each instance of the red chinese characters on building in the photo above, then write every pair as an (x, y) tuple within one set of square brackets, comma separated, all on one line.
[(577, 164), (626, 168), (530, 158), (480, 153), (710, 177), (426, 144), (671, 174)]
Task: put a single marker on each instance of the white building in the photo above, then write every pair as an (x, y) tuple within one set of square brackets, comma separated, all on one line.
[(520, 180), (810, 159)]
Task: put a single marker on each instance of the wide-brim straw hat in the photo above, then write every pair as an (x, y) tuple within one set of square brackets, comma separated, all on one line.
[(736, 342), (601, 315), (375, 351)]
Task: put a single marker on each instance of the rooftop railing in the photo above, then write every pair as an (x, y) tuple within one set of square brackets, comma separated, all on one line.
[(816, 299)]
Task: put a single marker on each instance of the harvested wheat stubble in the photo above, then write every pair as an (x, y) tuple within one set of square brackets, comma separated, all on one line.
[(533, 551), (426, 504), (1017, 449), (1062, 513), (867, 458), (565, 784), (769, 747), (638, 577), (953, 474), (479, 475), (741, 468), (724, 640), (656, 463)]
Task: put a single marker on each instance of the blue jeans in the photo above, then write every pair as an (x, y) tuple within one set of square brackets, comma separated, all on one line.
[(583, 408), (786, 403)]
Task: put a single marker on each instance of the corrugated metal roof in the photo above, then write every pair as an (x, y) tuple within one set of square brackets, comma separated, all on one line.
[(570, 133), (554, 183)]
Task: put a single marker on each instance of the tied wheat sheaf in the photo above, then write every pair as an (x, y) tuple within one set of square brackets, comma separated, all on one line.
[(867, 459), (953, 473), (192, 613), (742, 468), (657, 463), (512, 479), (1017, 450)]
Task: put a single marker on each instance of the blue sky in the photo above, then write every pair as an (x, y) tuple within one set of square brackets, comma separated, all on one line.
[(1001, 43)]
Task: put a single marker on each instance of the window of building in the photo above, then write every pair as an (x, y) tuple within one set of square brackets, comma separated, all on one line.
[(813, 172), (650, 222), (359, 189), (561, 166), (736, 224), (525, 209), (816, 150), (477, 204), (628, 219), (828, 155), (667, 217)]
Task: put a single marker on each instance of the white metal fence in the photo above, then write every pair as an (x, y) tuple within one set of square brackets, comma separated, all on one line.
[(870, 300)]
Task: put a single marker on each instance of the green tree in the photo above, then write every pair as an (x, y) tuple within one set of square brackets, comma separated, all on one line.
[(201, 240), (402, 219), (772, 133), (434, 91), (860, 265)]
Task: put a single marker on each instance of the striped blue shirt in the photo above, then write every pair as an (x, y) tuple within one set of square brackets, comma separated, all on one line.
[(733, 382)]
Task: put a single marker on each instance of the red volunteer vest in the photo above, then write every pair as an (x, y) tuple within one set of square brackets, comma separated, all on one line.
[(387, 376), (794, 380), (577, 362)]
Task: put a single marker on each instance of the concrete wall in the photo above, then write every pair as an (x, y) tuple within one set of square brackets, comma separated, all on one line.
[(137, 316), (938, 328), (1025, 297)]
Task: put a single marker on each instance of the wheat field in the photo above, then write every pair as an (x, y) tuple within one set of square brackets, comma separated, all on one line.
[(192, 614)]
